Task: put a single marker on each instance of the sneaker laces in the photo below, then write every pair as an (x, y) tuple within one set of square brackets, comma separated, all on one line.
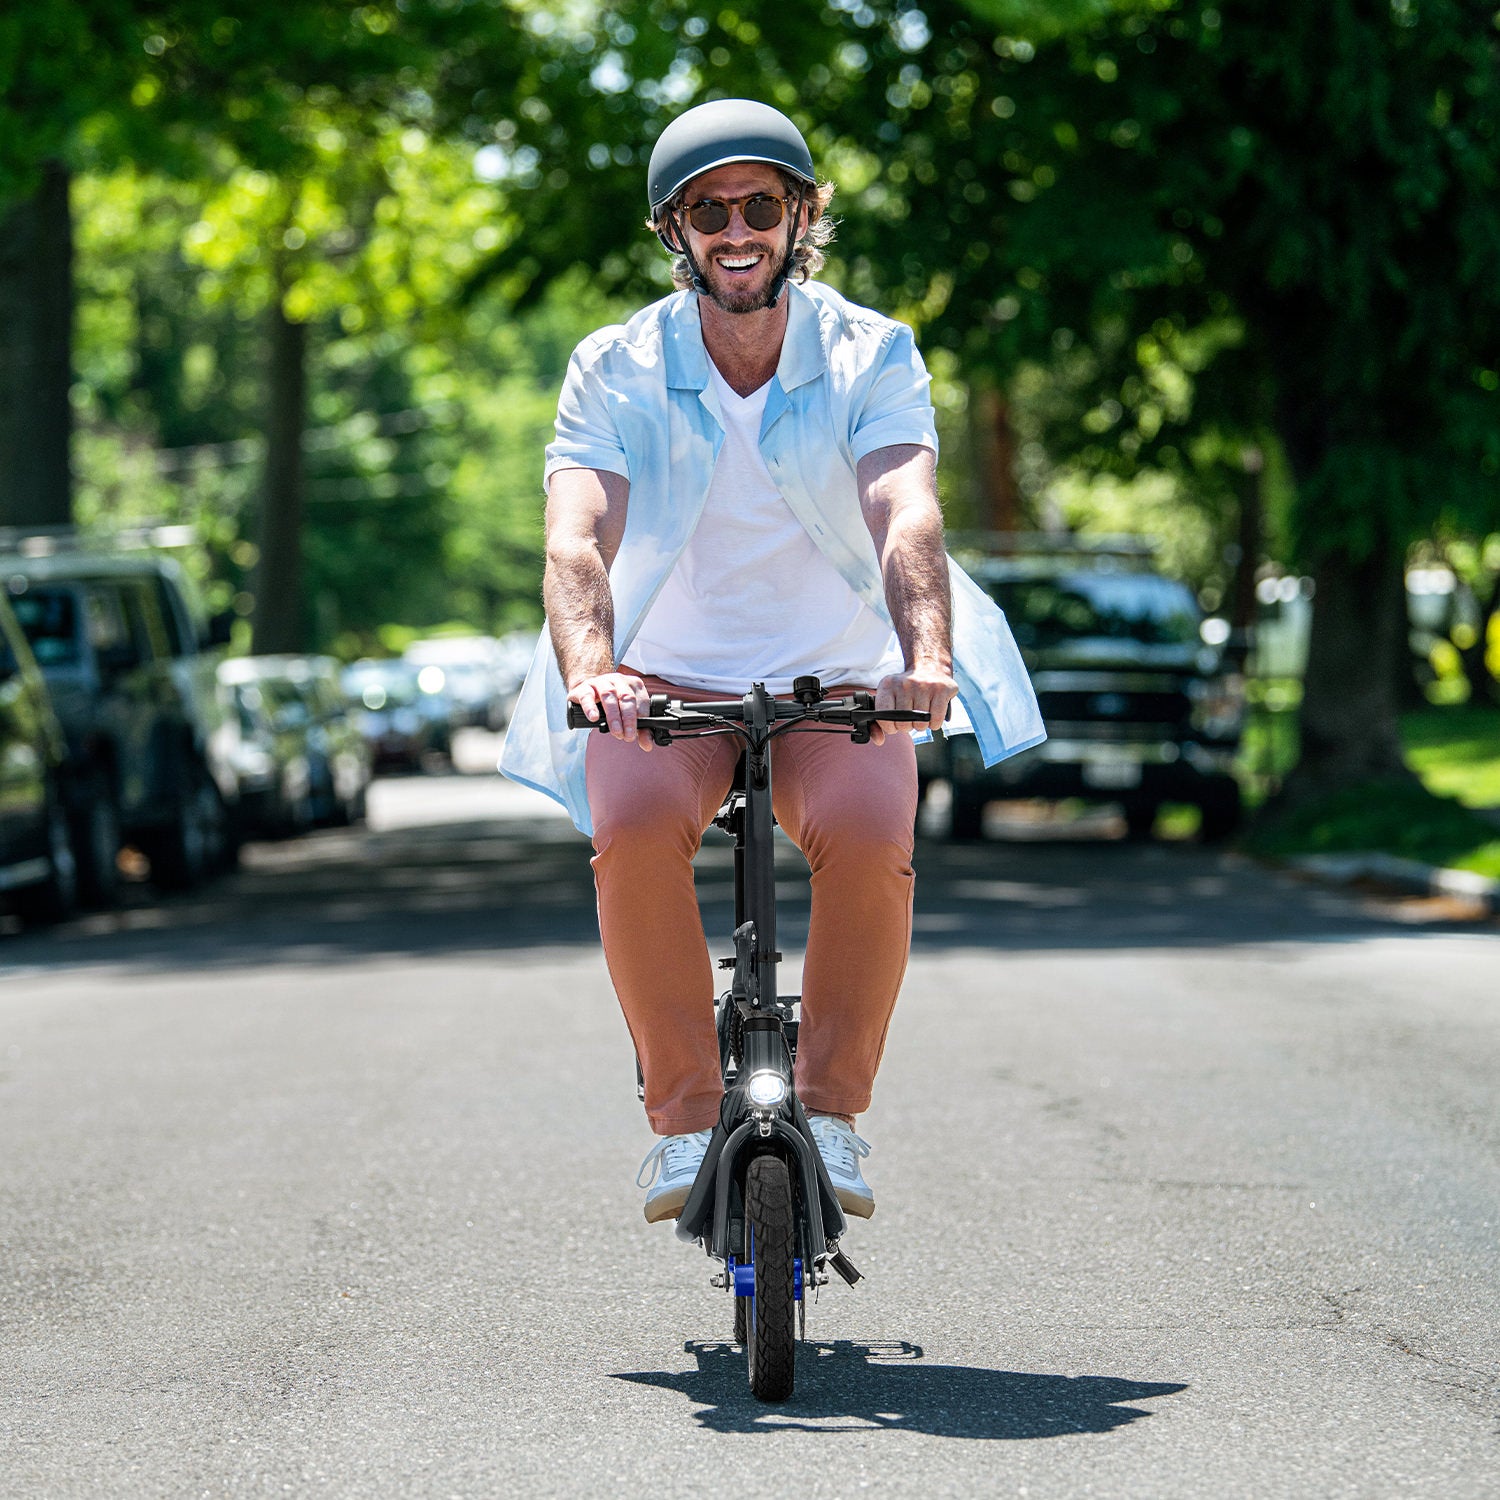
[(838, 1144), (672, 1154)]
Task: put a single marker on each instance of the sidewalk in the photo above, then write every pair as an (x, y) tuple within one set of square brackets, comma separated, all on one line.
[(1390, 874)]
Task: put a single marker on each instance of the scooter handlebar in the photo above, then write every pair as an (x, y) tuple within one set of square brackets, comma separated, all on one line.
[(674, 715)]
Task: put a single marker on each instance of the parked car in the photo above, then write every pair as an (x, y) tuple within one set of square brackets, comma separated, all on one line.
[(129, 657), (340, 762), (1141, 704), (403, 711), (299, 757), (475, 677), (38, 867), (269, 745)]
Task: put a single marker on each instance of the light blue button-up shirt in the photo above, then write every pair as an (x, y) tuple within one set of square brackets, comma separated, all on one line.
[(638, 402)]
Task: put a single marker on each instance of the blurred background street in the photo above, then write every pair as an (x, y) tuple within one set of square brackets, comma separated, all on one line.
[(320, 1181)]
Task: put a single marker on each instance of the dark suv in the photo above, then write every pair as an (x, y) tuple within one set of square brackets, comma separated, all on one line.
[(129, 658), (1141, 704)]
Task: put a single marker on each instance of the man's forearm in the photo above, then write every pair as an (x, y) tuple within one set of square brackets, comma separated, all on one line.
[(580, 612), (898, 494), (915, 571)]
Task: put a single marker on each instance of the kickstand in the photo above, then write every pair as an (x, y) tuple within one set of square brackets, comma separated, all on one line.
[(843, 1265)]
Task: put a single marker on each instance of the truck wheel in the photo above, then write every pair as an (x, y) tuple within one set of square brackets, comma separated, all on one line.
[(186, 852), (1140, 820), (1221, 810), (96, 845), (966, 815), (56, 897)]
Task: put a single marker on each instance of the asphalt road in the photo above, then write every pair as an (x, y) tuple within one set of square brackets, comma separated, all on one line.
[(321, 1183)]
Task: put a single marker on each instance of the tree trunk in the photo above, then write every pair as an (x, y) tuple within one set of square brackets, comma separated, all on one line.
[(1350, 715), (997, 495), (277, 624), (36, 357)]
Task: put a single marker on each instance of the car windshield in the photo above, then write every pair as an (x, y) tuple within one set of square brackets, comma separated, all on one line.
[(1140, 607), (279, 693), (49, 619), (382, 685)]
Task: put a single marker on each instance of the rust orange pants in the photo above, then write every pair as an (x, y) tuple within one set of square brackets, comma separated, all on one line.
[(850, 809)]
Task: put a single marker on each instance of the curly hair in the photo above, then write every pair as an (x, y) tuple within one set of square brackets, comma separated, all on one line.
[(807, 255)]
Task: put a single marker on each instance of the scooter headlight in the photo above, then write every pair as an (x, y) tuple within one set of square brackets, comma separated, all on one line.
[(766, 1089)]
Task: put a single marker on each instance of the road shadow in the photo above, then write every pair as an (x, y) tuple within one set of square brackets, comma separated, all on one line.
[(502, 885), (858, 1386)]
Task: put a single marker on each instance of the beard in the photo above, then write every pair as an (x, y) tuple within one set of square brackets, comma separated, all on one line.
[(733, 296)]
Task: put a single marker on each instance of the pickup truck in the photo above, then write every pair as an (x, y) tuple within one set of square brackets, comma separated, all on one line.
[(1142, 702)]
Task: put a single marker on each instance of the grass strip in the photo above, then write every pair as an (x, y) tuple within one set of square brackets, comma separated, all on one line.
[(1449, 817), (1391, 817), (1456, 752)]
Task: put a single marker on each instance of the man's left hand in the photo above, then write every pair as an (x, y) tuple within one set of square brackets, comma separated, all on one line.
[(929, 691)]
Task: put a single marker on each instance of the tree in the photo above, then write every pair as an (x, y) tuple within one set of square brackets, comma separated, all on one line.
[(163, 86), (1323, 176), (380, 229), (58, 63)]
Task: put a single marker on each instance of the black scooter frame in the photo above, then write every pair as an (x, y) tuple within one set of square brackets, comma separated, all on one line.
[(744, 1132)]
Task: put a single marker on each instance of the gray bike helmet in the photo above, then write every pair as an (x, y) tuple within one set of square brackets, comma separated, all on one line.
[(713, 135)]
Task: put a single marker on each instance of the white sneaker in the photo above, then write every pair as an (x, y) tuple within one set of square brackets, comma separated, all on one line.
[(673, 1162), (841, 1150)]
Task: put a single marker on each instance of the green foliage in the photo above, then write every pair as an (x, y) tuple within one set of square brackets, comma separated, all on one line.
[(1320, 179), (1456, 752), (424, 451), (1398, 817), (1444, 818), (1176, 231), (103, 82)]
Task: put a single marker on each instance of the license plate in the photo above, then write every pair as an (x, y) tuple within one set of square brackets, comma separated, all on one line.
[(1112, 774)]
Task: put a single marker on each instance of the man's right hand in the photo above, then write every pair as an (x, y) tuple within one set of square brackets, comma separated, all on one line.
[(621, 697)]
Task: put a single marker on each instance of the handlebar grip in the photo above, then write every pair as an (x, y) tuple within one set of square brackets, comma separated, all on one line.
[(577, 719)]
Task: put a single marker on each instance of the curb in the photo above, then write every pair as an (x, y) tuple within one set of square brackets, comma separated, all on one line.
[(1406, 877)]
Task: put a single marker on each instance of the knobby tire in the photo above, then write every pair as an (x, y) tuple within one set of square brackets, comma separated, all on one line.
[(771, 1247)]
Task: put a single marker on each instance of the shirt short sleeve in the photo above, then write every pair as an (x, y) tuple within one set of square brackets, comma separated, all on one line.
[(897, 407), (586, 435)]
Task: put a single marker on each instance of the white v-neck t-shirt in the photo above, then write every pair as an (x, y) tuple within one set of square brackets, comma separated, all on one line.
[(753, 598)]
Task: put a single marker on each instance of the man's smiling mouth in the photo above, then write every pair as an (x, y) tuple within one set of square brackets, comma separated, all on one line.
[(738, 263)]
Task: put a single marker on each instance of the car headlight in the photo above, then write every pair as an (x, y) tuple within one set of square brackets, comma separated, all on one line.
[(1219, 707), (766, 1089)]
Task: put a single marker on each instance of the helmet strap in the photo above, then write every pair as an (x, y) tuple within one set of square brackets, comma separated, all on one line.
[(677, 244), (778, 286)]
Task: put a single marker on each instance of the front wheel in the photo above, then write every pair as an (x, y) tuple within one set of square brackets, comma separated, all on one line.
[(96, 843), (189, 849), (1140, 821), (966, 813), (770, 1329), (1221, 809), (55, 898)]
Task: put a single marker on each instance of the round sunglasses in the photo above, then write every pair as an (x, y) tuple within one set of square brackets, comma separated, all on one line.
[(760, 211)]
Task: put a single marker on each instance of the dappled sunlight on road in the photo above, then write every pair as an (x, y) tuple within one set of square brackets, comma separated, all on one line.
[(466, 862)]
